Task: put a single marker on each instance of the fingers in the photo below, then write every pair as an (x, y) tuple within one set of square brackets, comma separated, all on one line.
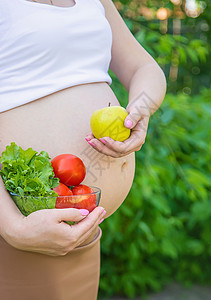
[(137, 137), (84, 237), (102, 148), (89, 136), (132, 119), (82, 229), (110, 147), (99, 146), (136, 111), (69, 214)]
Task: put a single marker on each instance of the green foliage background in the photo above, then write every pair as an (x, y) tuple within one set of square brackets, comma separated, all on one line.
[(162, 231)]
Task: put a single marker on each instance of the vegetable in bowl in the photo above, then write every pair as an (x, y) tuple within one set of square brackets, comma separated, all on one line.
[(30, 179), (28, 173)]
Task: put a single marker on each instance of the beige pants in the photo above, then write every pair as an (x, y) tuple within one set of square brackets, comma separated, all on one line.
[(33, 276)]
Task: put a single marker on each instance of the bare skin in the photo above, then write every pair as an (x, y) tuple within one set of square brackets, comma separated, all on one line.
[(58, 123)]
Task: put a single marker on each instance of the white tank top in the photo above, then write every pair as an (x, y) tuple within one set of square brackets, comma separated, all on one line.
[(45, 48)]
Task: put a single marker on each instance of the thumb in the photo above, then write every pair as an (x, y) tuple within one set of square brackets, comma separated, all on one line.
[(70, 214), (129, 122), (134, 115), (132, 118)]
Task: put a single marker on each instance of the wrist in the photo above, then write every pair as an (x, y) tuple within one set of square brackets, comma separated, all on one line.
[(148, 88), (140, 107)]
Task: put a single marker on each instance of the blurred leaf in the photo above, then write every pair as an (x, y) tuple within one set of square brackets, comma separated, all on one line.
[(193, 55), (182, 54), (162, 230), (168, 248)]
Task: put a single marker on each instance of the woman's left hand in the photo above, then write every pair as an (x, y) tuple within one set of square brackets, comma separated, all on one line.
[(137, 120)]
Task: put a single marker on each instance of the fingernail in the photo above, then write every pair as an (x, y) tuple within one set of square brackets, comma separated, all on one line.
[(84, 212), (104, 213), (103, 141), (101, 221), (103, 210), (91, 144), (128, 123), (87, 139)]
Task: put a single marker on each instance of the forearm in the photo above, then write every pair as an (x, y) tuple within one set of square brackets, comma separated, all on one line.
[(148, 86), (9, 212)]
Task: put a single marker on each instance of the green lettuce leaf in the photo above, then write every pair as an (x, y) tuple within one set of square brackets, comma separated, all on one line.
[(29, 173)]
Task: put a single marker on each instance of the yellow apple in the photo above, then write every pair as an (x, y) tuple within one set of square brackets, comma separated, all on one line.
[(109, 121)]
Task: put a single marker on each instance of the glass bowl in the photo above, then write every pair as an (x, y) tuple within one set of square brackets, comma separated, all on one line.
[(28, 204)]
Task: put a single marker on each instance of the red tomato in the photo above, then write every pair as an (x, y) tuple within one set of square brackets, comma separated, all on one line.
[(69, 169), (63, 190), (85, 201)]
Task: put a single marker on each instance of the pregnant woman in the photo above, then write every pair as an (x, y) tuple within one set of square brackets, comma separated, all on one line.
[(54, 61)]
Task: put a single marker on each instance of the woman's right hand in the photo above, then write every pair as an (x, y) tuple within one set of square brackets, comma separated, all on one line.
[(44, 231)]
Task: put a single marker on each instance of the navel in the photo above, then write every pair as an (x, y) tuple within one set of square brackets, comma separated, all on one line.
[(123, 166)]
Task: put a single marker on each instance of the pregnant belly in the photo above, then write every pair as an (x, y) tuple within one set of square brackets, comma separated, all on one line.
[(58, 123)]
